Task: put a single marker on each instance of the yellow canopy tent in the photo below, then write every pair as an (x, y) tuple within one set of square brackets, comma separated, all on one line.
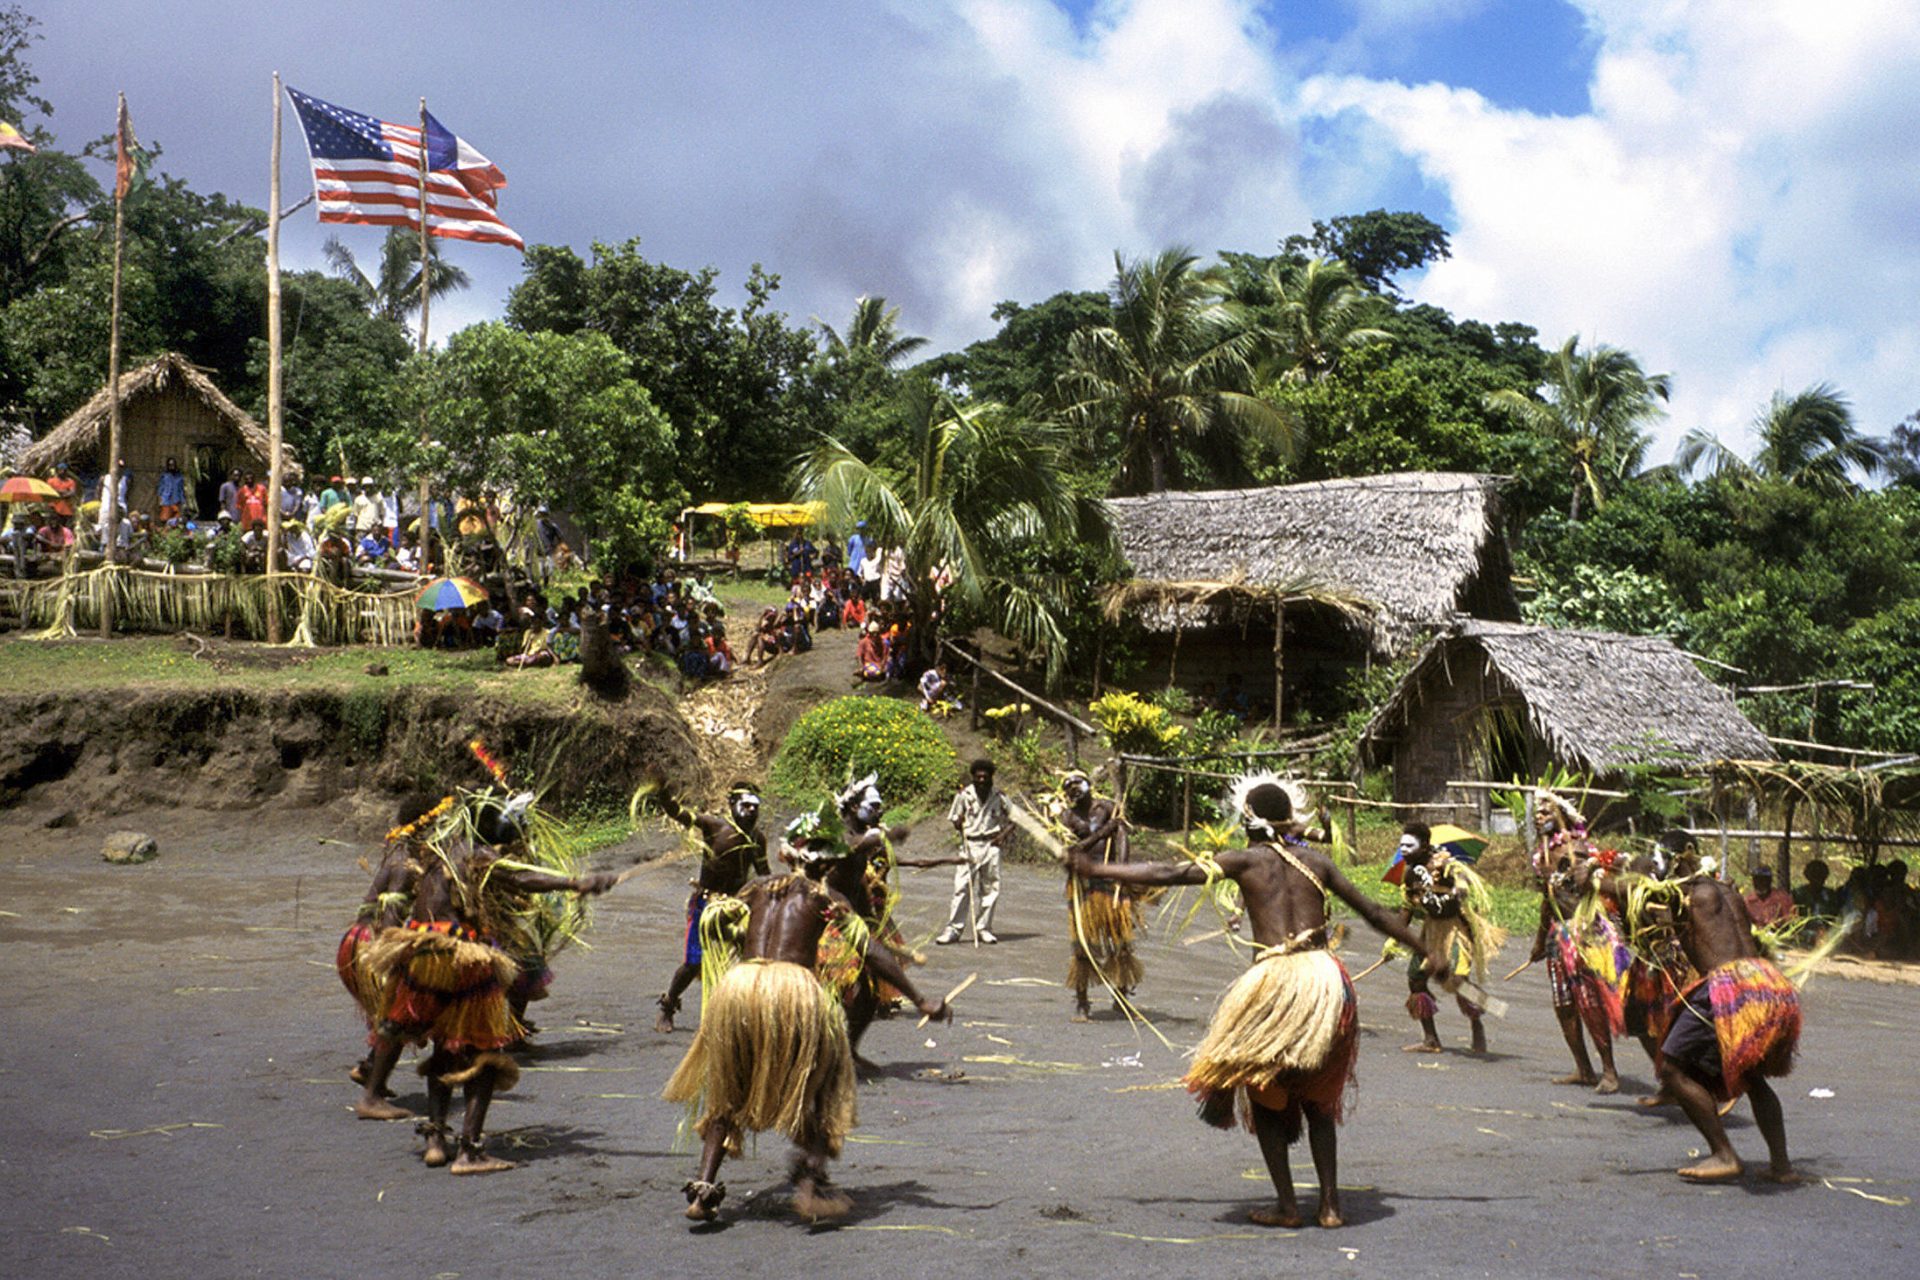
[(768, 515)]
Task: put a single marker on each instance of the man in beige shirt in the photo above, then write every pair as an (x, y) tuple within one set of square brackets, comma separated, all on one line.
[(979, 814)]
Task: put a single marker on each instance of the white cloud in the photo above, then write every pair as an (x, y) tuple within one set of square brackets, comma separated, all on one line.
[(1735, 207)]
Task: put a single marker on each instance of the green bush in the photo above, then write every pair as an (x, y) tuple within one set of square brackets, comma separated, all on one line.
[(363, 719), (850, 737)]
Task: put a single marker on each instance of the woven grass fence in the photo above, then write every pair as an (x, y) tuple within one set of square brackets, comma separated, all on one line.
[(318, 612)]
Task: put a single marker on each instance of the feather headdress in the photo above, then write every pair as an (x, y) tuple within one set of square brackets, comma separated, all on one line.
[(1239, 796), (856, 789), (1553, 801)]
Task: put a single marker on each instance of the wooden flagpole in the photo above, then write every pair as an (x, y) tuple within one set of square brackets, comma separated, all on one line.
[(110, 493), (276, 410), (426, 296)]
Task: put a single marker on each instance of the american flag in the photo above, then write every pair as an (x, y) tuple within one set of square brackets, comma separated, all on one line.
[(368, 171)]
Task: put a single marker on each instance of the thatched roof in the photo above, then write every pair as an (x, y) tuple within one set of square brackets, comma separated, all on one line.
[(84, 427), (1598, 700), (1418, 547)]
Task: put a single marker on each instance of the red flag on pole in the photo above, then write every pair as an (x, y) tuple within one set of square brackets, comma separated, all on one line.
[(129, 161)]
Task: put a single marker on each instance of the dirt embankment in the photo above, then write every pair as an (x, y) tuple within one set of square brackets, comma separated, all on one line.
[(101, 752)]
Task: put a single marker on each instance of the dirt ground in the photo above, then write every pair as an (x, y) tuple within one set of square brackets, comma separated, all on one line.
[(174, 1100)]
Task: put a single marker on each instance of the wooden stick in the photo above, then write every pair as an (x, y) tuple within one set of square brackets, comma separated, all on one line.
[(1517, 972), (1370, 968), (949, 998)]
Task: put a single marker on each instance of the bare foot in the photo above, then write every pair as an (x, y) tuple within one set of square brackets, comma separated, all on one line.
[(1725, 1168), (377, 1109), (663, 1024), (1609, 1084), (1479, 1039), (1578, 1077), (1330, 1214), (1082, 1015), (703, 1200), (1727, 1105), (436, 1153), (1424, 1046), (1783, 1174), (479, 1162), (812, 1200), (1660, 1099), (698, 1212), (1288, 1218), (359, 1073)]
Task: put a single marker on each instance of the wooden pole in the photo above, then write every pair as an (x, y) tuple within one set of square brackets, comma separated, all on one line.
[(426, 298), (276, 420), (1279, 661), (110, 494)]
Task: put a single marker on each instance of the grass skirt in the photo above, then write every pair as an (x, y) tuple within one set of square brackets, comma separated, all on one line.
[(1588, 969), (369, 986), (771, 1053), (446, 988), (1756, 1018), (1102, 934), (1284, 1036)]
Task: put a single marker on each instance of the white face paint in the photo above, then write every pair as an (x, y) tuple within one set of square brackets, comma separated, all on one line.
[(746, 808), (1077, 789), (1407, 845)]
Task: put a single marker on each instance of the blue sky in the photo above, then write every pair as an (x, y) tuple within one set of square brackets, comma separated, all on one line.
[(1725, 187)]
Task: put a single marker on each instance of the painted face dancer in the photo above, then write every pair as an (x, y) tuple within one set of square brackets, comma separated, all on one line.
[(1102, 914), (1283, 1039), (772, 1051), (732, 851), (1448, 903), (1585, 954)]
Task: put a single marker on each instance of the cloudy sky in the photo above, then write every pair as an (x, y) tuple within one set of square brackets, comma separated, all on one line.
[(1725, 187)]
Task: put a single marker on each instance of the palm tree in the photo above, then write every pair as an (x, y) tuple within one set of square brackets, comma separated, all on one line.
[(1314, 313), (1807, 439), (394, 293), (1173, 370), (875, 332), (1594, 407), (978, 486)]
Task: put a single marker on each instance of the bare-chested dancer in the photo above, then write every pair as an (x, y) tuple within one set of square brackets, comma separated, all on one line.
[(1581, 996), (1733, 1028), (1447, 904), (449, 985), (1101, 914), (865, 877), (732, 851), (1283, 1038), (772, 1050)]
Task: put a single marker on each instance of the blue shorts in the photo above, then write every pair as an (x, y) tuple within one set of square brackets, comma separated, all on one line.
[(695, 905)]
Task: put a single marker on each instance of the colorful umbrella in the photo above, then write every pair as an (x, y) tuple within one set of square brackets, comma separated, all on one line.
[(1457, 841), (451, 593), (27, 489)]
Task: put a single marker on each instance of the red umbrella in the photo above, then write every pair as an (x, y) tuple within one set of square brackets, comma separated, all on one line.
[(27, 489)]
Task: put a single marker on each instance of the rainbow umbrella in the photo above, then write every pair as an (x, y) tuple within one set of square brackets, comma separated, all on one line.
[(1457, 841), (450, 593), (27, 489)]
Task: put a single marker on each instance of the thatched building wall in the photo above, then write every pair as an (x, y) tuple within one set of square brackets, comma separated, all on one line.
[(1486, 701), (168, 408)]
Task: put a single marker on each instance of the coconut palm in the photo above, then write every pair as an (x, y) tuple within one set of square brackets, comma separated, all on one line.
[(1807, 439), (874, 332), (1174, 371), (978, 486), (1311, 314), (1595, 403), (393, 293)]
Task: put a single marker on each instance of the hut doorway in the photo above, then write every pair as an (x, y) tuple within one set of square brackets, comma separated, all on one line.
[(206, 472)]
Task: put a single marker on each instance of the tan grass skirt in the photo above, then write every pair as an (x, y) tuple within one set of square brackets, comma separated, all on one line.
[(1285, 1035), (1102, 934), (771, 1054)]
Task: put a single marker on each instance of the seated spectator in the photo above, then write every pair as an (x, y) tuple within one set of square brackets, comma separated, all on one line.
[(870, 655), (854, 612), (1767, 905), (488, 622), (933, 689), (426, 629), (254, 544), (297, 546), (456, 629), (1814, 901)]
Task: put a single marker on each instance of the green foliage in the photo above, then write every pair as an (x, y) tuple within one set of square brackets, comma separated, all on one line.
[(852, 736), (1363, 692), (174, 546), (1596, 599), (1024, 361), (1376, 245), (225, 554), (363, 720)]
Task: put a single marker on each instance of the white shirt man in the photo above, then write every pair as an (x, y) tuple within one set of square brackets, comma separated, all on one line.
[(979, 813)]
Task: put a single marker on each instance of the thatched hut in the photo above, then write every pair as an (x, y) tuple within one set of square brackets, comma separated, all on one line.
[(1490, 701), (1297, 584), (168, 408)]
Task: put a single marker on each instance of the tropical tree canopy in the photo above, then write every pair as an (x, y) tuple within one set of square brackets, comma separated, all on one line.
[(978, 488), (1170, 377), (392, 292), (1806, 439), (1594, 407)]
